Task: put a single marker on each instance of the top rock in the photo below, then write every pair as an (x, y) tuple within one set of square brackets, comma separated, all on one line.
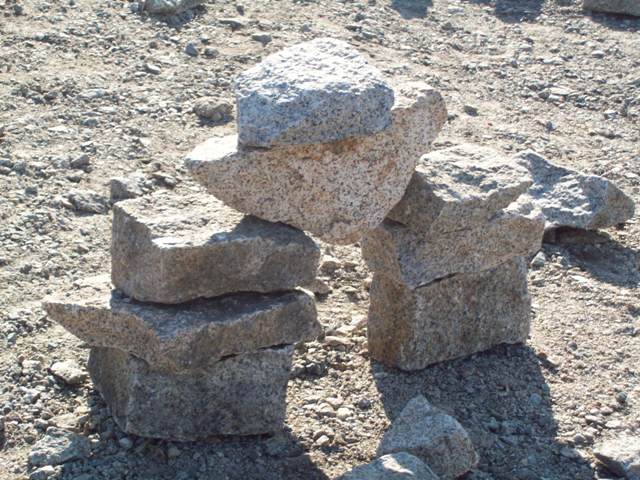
[(317, 91)]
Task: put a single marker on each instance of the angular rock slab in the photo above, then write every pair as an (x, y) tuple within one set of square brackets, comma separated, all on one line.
[(240, 395), (187, 337), (396, 466), (467, 183), (622, 7), (621, 456), (335, 190), (433, 436), (572, 199), (317, 91), (170, 248), (416, 259), (454, 317)]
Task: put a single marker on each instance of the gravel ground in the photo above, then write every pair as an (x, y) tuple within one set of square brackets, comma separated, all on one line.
[(90, 90)]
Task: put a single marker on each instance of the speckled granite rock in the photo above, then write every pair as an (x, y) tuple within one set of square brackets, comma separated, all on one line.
[(432, 436), (170, 248), (572, 199), (621, 456), (170, 6), (623, 7), (396, 466), (240, 395), (59, 446), (335, 190), (186, 337), (317, 91), (418, 259), (411, 328), (467, 183)]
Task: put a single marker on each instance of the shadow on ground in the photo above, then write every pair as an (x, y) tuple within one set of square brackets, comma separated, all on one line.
[(598, 254), (410, 9), (502, 399), (624, 23), (514, 11)]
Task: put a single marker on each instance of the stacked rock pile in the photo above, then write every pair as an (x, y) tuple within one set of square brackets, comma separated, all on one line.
[(205, 310)]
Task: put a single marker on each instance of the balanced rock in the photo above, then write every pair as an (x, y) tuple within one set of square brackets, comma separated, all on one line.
[(186, 337), (411, 328), (467, 183), (622, 7), (417, 259), (433, 436), (572, 199), (335, 190), (170, 6), (317, 91), (170, 248), (621, 456), (396, 466), (240, 395)]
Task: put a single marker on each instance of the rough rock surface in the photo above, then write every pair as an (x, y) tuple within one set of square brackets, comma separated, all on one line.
[(69, 372), (624, 7), (240, 395), (184, 337), (396, 466), (418, 259), (58, 446), (170, 6), (572, 199), (467, 183), (432, 436), (317, 91), (450, 318), (169, 248), (621, 456), (335, 190)]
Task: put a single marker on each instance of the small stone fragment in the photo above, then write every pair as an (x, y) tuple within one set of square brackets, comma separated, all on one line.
[(132, 186), (240, 395), (185, 337), (433, 436), (335, 190), (58, 446), (396, 466), (170, 248), (622, 7), (212, 109), (419, 259), (411, 328), (87, 201), (463, 185), (621, 456), (572, 199), (317, 91), (167, 7), (69, 371)]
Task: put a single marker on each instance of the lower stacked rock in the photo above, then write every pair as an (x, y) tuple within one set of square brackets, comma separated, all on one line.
[(450, 277), (212, 354)]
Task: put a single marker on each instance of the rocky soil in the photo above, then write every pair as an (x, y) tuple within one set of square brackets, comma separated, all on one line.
[(90, 90)]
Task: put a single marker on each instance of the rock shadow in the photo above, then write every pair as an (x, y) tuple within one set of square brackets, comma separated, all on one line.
[(502, 399), (514, 11), (410, 9), (597, 254), (613, 21), (176, 20)]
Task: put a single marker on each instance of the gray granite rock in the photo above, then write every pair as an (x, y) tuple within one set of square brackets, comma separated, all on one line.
[(240, 395), (396, 466), (317, 91), (335, 190), (187, 337), (433, 436), (69, 372), (417, 259), (133, 185), (621, 456), (572, 199), (623, 7), (467, 183), (411, 328), (58, 446), (167, 7), (171, 248)]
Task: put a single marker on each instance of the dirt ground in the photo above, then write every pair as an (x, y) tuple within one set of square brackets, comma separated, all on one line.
[(90, 90)]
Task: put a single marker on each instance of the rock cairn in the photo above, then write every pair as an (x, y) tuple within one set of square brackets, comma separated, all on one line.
[(197, 337), (450, 274)]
